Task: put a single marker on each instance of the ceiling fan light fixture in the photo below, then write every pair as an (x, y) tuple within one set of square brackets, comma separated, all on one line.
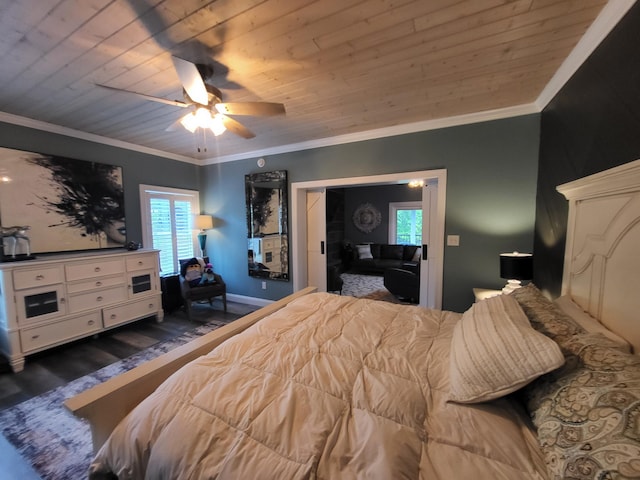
[(204, 117), (217, 125), (190, 122)]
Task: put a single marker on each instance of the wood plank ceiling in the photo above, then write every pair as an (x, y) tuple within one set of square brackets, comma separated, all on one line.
[(340, 66)]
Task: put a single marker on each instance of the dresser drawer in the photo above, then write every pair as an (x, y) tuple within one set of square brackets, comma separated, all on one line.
[(116, 315), (97, 283), (89, 270), (71, 328), (29, 278), (141, 262), (96, 299)]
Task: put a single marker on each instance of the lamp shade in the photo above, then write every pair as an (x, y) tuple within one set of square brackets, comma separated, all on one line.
[(516, 266), (203, 222)]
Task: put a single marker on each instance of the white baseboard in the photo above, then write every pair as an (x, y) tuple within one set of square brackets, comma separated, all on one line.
[(259, 302)]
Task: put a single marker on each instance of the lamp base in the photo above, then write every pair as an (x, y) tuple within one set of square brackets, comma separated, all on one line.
[(202, 239), (511, 286)]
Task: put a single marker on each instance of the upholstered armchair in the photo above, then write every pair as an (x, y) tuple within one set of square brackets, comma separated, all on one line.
[(404, 284), (193, 293)]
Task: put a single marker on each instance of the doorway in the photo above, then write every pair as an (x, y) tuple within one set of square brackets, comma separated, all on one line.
[(433, 198)]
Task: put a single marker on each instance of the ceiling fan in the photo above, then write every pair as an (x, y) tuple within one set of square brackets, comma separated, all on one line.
[(208, 109)]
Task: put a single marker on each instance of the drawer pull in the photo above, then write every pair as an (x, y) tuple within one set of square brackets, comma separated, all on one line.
[(98, 284), (62, 300), (140, 262), (99, 299), (151, 305), (90, 322), (35, 337), (97, 269), (113, 315), (39, 277)]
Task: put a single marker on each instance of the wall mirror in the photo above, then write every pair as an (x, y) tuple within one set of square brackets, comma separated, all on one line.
[(267, 213)]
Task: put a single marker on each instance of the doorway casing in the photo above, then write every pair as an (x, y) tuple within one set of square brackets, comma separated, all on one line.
[(431, 277)]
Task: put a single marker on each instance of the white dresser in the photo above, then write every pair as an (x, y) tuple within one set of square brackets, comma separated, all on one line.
[(59, 298)]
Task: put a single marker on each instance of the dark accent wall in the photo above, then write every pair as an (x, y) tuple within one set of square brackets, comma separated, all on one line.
[(379, 197), (591, 125)]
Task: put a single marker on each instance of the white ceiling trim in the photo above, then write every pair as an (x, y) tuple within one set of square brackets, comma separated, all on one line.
[(70, 132), (609, 17), (422, 126)]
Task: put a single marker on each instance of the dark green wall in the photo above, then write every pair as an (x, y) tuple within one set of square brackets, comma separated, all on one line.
[(591, 125), (491, 168), (137, 168)]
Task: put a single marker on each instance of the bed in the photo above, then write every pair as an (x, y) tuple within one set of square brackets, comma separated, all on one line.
[(323, 386)]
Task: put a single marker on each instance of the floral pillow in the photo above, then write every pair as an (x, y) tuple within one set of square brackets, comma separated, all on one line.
[(544, 316), (587, 412)]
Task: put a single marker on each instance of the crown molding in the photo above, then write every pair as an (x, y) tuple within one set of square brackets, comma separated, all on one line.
[(70, 132), (422, 126), (608, 18)]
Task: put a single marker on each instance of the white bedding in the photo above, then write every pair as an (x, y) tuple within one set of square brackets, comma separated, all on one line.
[(329, 387)]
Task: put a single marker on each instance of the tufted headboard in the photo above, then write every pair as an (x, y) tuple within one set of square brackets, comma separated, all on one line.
[(602, 255)]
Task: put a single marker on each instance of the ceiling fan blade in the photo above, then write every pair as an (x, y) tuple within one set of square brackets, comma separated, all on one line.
[(191, 80), (236, 127), (175, 103), (263, 109)]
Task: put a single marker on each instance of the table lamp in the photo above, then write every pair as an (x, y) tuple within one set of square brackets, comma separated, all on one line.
[(203, 222), (515, 267)]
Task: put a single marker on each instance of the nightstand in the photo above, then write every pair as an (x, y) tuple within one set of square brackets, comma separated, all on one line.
[(482, 293)]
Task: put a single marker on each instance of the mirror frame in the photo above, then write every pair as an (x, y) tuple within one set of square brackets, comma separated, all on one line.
[(266, 195)]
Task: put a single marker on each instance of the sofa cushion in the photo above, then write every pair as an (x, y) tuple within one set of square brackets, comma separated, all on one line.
[(391, 252), (408, 252), (375, 250), (363, 251)]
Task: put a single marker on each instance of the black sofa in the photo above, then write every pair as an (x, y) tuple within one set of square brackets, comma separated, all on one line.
[(383, 257)]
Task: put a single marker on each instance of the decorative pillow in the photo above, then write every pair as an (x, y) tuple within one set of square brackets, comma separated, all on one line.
[(417, 255), (544, 315), (494, 351), (587, 322), (587, 413), (364, 251)]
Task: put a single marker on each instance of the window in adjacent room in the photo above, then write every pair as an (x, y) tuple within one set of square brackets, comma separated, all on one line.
[(167, 220), (405, 223)]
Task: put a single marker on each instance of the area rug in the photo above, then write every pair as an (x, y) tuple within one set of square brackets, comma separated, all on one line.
[(57, 444), (356, 285)]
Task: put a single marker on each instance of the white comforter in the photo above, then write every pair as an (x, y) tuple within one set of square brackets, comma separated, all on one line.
[(329, 387)]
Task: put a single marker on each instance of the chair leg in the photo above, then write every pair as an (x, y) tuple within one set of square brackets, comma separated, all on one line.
[(187, 308), (224, 301)]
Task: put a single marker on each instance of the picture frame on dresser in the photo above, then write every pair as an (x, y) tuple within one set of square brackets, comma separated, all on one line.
[(52, 204)]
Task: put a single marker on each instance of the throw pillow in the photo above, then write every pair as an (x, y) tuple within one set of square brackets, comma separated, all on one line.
[(587, 413), (494, 351), (417, 255), (364, 251)]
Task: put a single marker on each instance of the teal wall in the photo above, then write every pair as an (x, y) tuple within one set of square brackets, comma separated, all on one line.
[(137, 168), (491, 190)]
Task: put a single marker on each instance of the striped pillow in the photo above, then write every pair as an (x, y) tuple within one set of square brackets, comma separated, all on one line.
[(495, 351)]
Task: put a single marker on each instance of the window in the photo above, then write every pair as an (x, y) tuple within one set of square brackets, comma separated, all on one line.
[(167, 219), (405, 223)]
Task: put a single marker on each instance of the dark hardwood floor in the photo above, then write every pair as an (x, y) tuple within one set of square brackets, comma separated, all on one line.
[(55, 367)]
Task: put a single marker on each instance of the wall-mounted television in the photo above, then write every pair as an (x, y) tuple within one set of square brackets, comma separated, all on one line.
[(59, 204)]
